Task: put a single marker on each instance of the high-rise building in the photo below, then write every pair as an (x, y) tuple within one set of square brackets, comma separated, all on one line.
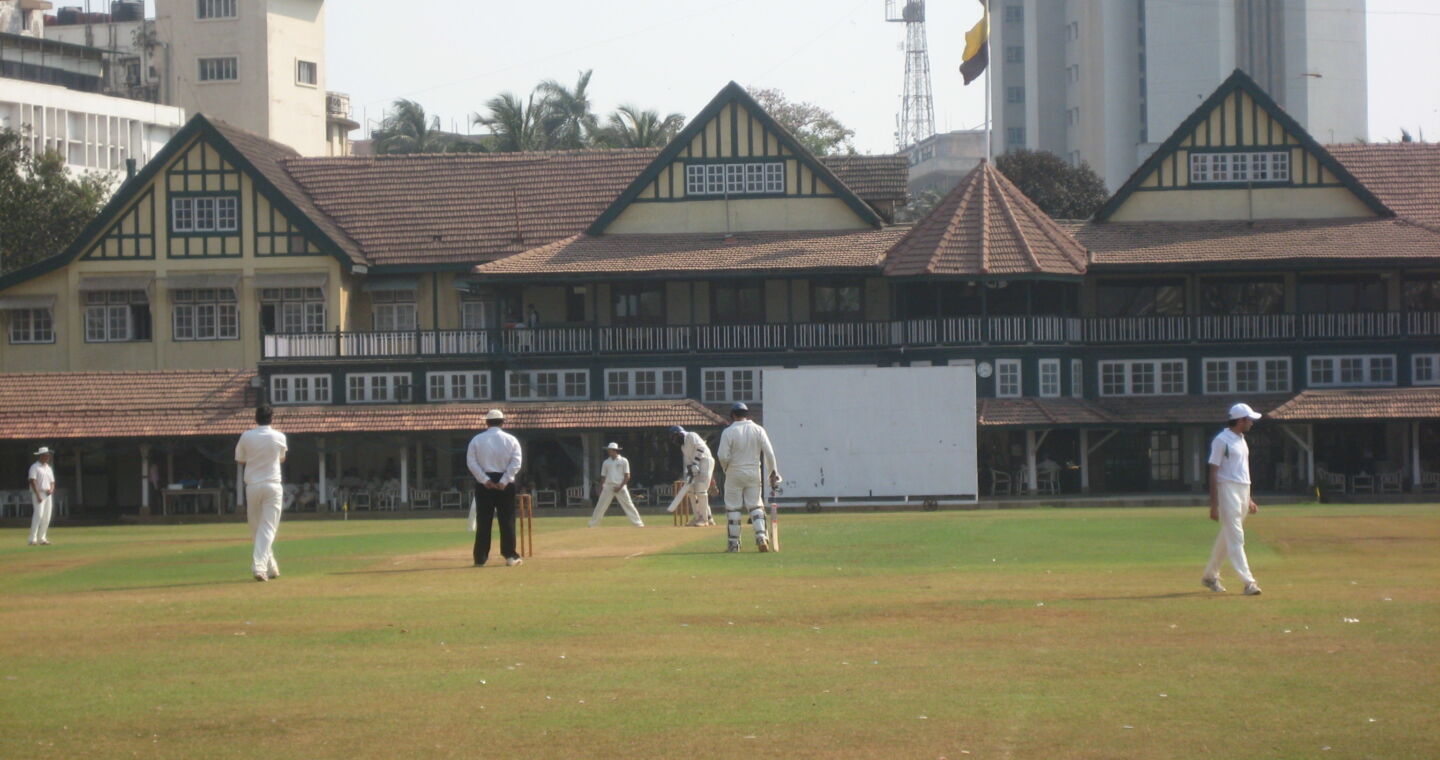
[(1104, 81)]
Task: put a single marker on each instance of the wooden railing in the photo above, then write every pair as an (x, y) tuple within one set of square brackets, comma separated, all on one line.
[(840, 336)]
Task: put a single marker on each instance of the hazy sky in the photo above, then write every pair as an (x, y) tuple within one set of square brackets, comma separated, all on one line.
[(674, 55)]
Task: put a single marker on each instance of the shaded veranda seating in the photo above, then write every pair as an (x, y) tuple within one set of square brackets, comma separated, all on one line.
[(1362, 481), (545, 498), (1429, 482), (999, 482), (1392, 482), (576, 495)]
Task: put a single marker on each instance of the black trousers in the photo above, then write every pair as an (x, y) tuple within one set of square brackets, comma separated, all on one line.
[(489, 504)]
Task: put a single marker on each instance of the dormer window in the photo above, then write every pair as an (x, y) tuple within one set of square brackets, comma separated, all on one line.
[(1239, 167), (734, 179)]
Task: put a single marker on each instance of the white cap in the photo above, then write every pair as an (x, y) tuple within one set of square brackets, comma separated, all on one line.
[(494, 414), (612, 446), (1243, 410), (43, 450)]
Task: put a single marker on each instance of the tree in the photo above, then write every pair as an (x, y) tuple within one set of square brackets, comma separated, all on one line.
[(42, 207), (568, 121), (633, 127), (1059, 189), (816, 128), (919, 205), (408, 130), (516, 125)]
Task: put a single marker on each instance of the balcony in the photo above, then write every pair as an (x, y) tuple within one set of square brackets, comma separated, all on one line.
[(818, 336)]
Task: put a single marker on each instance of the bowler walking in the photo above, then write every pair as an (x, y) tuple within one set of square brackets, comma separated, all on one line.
[(260, 453), (494, 460), (1230, 499), (42, 495)]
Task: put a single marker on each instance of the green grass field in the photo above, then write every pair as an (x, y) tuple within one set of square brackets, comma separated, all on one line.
[(1026, 634)]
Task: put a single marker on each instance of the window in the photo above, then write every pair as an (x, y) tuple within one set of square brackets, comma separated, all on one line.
[(116, 316), (1077, 378), (215, 9), (205, 314), (1014, 135), (644, 383), (32, 326), (1014, 94), (639, 304), (1014, 54), (307, 72), (835, 301), (299, 389), (1014, 14), (1425, 369), (393, 309), (1139, 298), (726, 386), (1317, 294), (219, 69), (737, 303), (205, 213), (378, 388), (548, 384), (1163, 377), (1335, 371), (758, 178), (1420, 292), (1007, 378), (1247, 295), (292, 310), (1237, 167), (1250, 375), (1050, 378), (476, 313), (458, 386)]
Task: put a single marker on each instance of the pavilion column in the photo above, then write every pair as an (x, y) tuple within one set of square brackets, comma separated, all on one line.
[(1030, 479), (79, 476), (1084, 460), (1415, 456), (585, 457), (420, 464), (404, 473), (320, 447), (1310, 453), (145, 479)]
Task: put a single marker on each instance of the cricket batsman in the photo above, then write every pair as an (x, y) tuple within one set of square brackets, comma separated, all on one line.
[(746, 454), (699, 468)]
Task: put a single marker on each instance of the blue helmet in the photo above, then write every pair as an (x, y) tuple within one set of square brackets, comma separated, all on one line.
[(739, 406), (677, 430)]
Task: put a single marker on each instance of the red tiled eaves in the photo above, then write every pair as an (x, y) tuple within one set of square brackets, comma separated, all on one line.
[(1361, 404)]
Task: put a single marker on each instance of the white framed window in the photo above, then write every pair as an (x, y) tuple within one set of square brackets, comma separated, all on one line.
[(644, 383), (307, 73), (1007, 378), (1077, 378), (476, 313), (293, 310), (378, 387), (754, 178), (528, 385), (458, 386), (1425, 369), (727, 385), (205, 314), (299, 389), (225, 69), (1239, 166), (1050, 378), (1267, 374), (1154, 377), (32, 326), (208, 9), (694, 179), (1341, 371), (205, 213), (116, 316), (393, 309)]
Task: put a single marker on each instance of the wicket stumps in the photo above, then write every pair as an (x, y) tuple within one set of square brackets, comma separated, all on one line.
[(683, 513), (525, 524)]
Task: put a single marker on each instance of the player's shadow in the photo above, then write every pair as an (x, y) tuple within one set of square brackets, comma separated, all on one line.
[(1137, 597), (435, 569), (158, 586)]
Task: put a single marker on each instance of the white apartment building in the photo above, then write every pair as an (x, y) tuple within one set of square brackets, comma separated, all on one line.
[(1104, 81)]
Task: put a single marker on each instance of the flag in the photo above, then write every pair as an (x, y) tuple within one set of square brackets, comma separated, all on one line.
[(977, 47)]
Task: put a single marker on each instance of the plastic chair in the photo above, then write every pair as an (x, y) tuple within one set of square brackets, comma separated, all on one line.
[(999, 481), (421, 498), (1429, 482), (1363, 481), (546, 498), (452, 499), (1048, 482), (576, 495), (1392, 482)]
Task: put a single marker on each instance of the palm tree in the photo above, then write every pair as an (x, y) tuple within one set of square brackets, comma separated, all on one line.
[(408, 130), (633, 127), (517, 126), (569, 122)]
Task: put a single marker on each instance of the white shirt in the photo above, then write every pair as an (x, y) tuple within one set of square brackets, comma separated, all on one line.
[(261, 449), (1231, 454), (741, 447), (44, 478), (693, 449), (615, 469), (493, 450)]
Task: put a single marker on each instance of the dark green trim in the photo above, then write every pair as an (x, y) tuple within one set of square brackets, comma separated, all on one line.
[(386, 269), (731, 94), (122, 237), (1239, 82), (745, 197), (728, 160), (734, 131), (171, 232)]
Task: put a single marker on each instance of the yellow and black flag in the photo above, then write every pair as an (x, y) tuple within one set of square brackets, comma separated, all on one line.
[(977, 47)]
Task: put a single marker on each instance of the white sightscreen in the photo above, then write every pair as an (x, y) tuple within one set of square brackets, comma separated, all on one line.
[(863, 433)]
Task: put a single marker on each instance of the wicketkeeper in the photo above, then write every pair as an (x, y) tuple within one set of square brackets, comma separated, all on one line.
[(746, 454), (699, 469)]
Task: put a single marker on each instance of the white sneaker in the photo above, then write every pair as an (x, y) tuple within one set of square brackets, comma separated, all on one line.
[(44, 542), (513, 561), (1213, 584), (259, 576), (273, 574), (1252, 590)]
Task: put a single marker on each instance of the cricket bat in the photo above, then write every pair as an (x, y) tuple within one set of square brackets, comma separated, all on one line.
[(679, 496), (774, 534)]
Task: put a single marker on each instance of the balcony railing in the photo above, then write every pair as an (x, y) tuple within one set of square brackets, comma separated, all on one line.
[(832, 336)]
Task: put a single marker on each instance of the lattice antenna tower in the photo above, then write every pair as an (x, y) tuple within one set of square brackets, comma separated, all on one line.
[(917, 106)]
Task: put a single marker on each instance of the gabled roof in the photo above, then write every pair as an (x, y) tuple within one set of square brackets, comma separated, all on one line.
[(1239, 81), (1404, 176), (733, 93), (986, 226), (1361, 404)]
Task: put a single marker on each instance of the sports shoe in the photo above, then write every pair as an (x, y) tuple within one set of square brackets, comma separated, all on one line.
[(260, 577), (34, 543), (273, 574), (761, 544), (513, 561), (44, 542), (1213, 584), (735, 547), (1252, 590)]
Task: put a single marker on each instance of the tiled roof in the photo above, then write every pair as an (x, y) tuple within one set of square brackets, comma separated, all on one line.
[(1269, 240), (873, 178), (986, 226), (670, 253), (1108, 412), (1362, 404), (180, 403), (1404, 176)]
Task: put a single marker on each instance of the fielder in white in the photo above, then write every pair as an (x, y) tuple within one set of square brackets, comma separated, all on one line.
[(746, 454), (1230, 499), (259, 453), (699, 469), (614, 485), (42, 495)]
